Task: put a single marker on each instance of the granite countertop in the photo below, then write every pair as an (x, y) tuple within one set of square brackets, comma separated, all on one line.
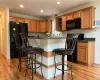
[(33, 37), (85, 39)]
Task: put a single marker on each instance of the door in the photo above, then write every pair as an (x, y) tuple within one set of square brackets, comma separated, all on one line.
[(63, 23), (28, 21), (77, 14), (33, 26), (69, 16), (38, 26), (12, 18), (82, 54), (86, 19), (22, 20), (43, 25)]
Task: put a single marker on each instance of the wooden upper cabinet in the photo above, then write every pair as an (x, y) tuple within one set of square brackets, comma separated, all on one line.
[(77, 14), (33, 26), (69, 16), (38, 26), (63, 23), (22, 20), (88, 18), (12, 18), (28, 21), (44, 26)]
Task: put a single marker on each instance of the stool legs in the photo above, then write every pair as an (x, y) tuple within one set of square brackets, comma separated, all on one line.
[(71, 68), (35, 64), (32, 66), (19, 56), (63, 67), (41, 64), (26, 65), (55, 64)]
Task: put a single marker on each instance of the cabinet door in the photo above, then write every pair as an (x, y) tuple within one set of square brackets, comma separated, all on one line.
[(86, 19), (22, 20), (63, 23), (38, 26), (77, 14), (33, 26), (12, 18), (69, 16), (43, 25), (82, 54), (28, 21)]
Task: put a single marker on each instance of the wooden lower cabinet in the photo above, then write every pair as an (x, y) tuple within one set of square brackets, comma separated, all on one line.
[(85, 52)]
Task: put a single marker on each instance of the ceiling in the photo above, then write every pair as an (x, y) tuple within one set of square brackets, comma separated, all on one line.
[(33, 7)]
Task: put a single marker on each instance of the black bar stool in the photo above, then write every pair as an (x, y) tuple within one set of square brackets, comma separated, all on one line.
[(17, 40), (65, 51), (30, 53)]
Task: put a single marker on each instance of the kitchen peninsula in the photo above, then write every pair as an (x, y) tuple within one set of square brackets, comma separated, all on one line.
[(48, 44)]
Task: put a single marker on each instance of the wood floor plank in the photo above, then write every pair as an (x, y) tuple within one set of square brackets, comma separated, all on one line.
[(9, 71)]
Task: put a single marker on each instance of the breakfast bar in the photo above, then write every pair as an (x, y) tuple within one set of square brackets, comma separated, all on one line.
[(48, 44)]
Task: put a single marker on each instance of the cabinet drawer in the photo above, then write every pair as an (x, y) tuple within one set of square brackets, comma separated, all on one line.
[(83, 44)]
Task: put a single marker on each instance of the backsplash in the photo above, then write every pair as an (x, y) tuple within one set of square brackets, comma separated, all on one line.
[(37, 34)]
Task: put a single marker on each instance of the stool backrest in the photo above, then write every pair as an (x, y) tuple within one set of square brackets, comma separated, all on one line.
[(24, 39), (17, 40), (70, 44)]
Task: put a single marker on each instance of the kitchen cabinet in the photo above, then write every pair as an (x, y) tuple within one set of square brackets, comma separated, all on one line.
[(85, 52), (63, 23), (28, 21), (88, 18), (44, 26), (12, 18), (77, 14), (38, 26), (22, 20), (69, 16), (33, 26), (17, 19)]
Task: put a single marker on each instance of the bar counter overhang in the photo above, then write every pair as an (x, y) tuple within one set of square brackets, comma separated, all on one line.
[(48, 44)]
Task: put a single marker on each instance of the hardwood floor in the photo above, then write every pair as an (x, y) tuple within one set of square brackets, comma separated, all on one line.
[(9, 71)]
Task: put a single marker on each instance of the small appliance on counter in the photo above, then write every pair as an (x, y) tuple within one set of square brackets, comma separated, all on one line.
[(81, 37)]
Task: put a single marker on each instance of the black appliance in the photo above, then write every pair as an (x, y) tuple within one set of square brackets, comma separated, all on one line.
[(16, 28), (81, 37), (73, 24)]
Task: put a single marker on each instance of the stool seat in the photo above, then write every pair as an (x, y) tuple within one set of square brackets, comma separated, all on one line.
[(61, 51)]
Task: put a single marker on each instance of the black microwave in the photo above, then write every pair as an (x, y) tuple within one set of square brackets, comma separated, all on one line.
[(73, 24)]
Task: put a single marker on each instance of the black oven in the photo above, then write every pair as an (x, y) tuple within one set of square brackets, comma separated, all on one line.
[(73, 24)]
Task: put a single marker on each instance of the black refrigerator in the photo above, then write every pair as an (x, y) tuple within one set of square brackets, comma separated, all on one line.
[(16, 28)]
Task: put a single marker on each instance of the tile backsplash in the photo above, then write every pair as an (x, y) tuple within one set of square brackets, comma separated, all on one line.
[(37, 34)]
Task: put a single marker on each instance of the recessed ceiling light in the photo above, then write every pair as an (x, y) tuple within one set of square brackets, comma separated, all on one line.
[(41, 11), (21, 6), (58, 2)]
